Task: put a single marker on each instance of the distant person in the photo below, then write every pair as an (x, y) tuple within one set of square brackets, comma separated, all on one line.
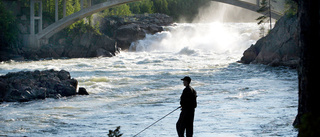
[(188, 102)]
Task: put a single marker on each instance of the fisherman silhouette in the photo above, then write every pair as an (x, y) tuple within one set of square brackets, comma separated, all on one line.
[(188, 102)]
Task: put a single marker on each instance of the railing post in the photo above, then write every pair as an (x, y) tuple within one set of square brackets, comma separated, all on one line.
[(32, 39), (40, 16), (258, 3), (81, 4), (64, 8), (31, 17), (89, 3), (56, 11)]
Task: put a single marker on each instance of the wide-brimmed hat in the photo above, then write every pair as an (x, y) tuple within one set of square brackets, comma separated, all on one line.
[(187, 78)]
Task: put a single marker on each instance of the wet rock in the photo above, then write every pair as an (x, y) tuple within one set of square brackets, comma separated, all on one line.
[(128, 29), (27, 85), (82, 91), (88, 45), (127, 34), (278, 48)]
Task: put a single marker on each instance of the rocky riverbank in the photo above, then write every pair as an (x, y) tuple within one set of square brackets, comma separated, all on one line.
[(116, 33), (278, 48), (27, 86)]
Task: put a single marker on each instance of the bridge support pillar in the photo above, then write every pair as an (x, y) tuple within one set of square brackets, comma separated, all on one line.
[(32, 40), (64, 8), (89, 3), (81, 4), (32, 17), (56, 11)]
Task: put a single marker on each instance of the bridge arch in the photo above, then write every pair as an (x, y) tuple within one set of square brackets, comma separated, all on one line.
[(66, 21)]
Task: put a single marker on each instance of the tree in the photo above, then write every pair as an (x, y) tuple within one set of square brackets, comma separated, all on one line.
[(291, 8), (146, 7), (161, 6), (122, 10), (135, 7), (8, 27), (141, 7), (308, 118), (265, 9)]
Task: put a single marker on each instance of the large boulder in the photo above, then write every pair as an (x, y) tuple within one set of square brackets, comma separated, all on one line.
[(91, 44), (26, 86), (278, 48), (127, 34)]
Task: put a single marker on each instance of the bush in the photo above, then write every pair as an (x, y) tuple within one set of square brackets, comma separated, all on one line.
[(8, 27)]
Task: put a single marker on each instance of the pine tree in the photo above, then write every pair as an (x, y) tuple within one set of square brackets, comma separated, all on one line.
[(265, 9), (8, 27)]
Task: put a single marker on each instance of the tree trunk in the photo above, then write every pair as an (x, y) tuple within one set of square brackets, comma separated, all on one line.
[(270, 18), (308, 118)]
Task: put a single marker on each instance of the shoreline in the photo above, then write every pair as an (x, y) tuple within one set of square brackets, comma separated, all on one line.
[(114, 33)]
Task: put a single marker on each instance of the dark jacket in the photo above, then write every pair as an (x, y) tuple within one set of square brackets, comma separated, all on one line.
[(188, 99)]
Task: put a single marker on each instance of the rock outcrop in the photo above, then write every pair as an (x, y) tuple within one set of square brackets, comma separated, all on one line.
[(27, 86), (78, 45), (126, 30), (278, 48)]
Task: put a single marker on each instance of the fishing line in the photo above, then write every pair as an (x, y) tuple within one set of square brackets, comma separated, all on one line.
[(157, 121)]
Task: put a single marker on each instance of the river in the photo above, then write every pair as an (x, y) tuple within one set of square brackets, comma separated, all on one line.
[(136, 88)]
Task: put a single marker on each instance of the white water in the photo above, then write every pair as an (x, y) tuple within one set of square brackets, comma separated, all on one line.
[(134, 89)]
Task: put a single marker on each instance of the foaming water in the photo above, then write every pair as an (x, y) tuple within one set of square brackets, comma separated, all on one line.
[(134, 89), (201, 37)]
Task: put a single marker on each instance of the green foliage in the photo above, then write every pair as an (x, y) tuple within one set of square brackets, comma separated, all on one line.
[(115, 133), (121, 10), (161, 6), (8, 27), (291, 8), (141, 7), (146, 6), (265, 7)]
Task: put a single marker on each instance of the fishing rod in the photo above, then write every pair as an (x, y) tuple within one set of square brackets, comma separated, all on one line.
[(156, 121)]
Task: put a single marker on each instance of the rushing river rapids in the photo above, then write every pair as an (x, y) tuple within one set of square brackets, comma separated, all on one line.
[(136, 88)]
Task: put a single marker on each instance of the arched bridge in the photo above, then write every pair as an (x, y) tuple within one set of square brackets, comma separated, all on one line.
[(34, 40)]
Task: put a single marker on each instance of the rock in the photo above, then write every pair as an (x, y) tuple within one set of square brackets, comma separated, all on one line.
[(91, 44), (103, 53), (127, 34), (126, 30), (82, 91), (249, 55), (278, 48), (26, 86), (48, 51), (63, 75), (102, 46)]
